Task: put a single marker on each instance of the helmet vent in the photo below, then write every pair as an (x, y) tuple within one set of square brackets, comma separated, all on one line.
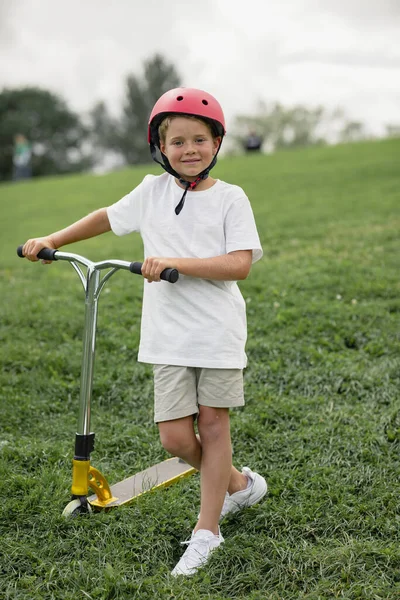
[(179, 98), (205, 102)]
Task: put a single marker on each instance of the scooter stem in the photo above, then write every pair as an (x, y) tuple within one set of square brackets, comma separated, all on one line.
[(88, 352)]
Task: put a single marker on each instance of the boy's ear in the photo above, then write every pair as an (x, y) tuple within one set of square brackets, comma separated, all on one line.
[(217, 143), (162, 147)]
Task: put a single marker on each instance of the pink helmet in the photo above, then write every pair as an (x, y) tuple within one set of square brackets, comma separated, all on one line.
[(186, 101)]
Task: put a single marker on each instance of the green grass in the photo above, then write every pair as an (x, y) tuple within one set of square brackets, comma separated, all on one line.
[(322, 419)]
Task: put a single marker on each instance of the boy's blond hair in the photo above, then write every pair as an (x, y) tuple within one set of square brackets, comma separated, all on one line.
[(163, 128)]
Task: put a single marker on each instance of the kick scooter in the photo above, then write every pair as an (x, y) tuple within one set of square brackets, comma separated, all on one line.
[(84, 475)]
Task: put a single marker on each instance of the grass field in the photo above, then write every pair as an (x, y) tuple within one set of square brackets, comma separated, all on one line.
[(322, 420)]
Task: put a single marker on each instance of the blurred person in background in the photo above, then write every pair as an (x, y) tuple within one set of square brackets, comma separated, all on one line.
[(22, 158), (253, 142)]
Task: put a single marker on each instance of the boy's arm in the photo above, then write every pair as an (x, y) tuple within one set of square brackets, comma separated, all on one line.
[(90, 226), (233, 266)]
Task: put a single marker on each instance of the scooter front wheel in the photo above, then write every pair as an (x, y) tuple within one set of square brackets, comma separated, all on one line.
[(75, 508)]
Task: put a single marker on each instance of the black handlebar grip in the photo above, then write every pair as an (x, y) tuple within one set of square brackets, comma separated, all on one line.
[(136, 267), (44, 254), (171, 275)]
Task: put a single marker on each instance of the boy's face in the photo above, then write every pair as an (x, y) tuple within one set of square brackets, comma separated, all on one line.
[(189, 146)]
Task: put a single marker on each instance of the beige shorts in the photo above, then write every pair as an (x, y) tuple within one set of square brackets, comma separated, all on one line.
[(178, 391)]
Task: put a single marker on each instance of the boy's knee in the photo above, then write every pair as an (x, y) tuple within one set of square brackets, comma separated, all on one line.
[(168, 440), (212, 422), (173, 441)]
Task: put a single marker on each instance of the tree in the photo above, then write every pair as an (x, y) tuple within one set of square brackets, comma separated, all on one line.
[(353, 131), (55, 132), (104, 131), (393, 130), (290, 127), (127, 134), (282, 127)]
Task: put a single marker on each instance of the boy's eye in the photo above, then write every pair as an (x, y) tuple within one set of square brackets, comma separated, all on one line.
[(198, 140)]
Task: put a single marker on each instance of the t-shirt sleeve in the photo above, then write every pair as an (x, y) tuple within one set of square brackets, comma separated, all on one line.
[(125, 215), (241, 230)]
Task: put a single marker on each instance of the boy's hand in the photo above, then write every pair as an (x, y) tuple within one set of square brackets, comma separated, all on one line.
[(32, 248), (153, 266)]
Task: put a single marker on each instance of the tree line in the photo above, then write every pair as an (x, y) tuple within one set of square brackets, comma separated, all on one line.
[(63, 141)]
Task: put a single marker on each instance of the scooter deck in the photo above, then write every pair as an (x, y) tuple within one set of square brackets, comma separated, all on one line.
[(160, 475)]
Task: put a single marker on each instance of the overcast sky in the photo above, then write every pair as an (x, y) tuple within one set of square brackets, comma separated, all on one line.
[(338, 53)]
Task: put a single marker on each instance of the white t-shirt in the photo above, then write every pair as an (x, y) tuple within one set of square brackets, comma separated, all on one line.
[(193, 322)]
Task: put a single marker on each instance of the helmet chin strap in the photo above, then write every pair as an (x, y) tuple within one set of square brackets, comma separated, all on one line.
[(190, 185)]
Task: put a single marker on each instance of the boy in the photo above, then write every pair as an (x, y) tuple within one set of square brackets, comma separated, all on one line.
[(193, 332)]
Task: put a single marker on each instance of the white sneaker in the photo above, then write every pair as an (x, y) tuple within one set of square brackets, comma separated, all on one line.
[(251, 495), (200, 546)]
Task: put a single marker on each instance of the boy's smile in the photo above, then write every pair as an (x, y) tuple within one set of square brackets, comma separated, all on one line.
[(189, 146)]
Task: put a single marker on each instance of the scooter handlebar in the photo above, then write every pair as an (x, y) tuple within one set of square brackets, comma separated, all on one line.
[(171, 275), (44, 254)]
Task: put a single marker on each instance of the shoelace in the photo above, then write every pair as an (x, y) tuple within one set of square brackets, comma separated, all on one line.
[(186, 542)]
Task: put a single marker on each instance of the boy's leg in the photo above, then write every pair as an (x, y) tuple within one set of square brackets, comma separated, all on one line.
[(237, 480), (216, 465), (176, 390), (221, 389)]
